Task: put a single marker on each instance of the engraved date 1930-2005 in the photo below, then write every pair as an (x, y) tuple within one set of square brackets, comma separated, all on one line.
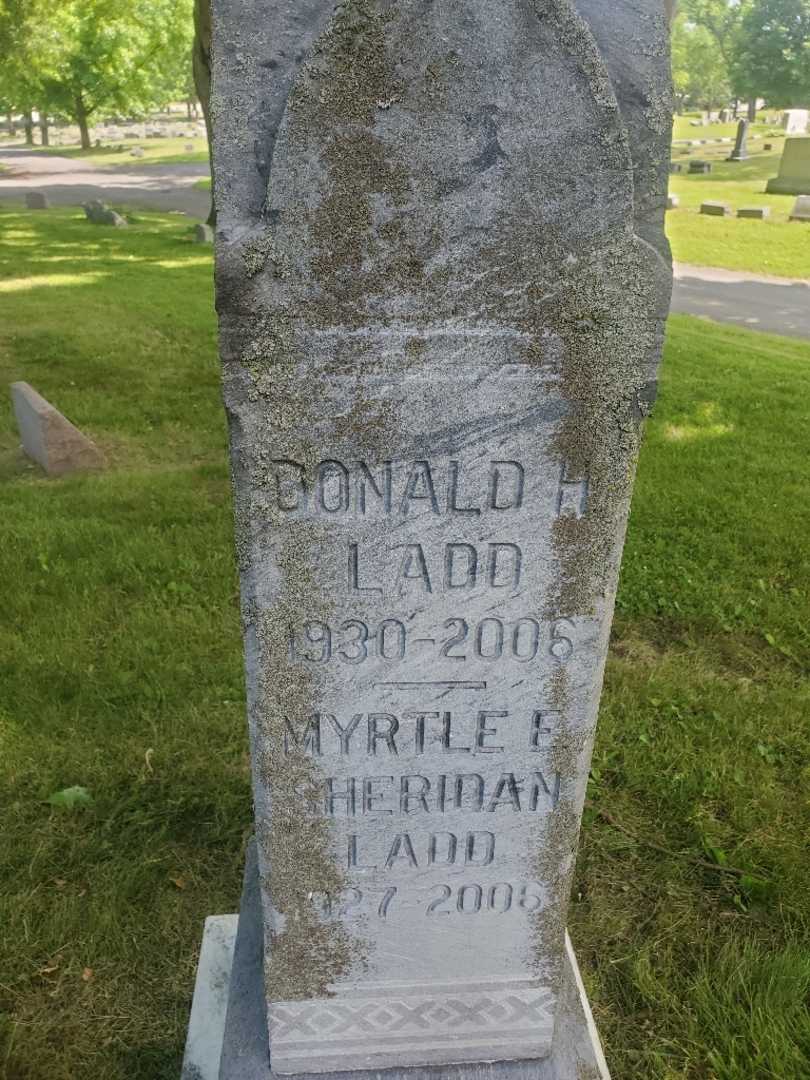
[(500, 898), (354, 641)]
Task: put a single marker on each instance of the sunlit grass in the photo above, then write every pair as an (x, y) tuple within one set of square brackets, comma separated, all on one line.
[(773, 246), (121, 671)]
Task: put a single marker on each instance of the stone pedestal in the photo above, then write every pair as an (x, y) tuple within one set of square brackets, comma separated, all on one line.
[(228, 1035), (794, 170)]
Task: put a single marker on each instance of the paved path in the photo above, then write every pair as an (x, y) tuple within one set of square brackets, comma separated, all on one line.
[(777, 305), (70, 182)]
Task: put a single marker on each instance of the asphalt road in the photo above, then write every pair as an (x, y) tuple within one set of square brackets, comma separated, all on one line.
[(776, 305)]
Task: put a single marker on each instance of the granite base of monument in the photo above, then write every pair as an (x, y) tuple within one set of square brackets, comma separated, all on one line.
[(228, 1040)]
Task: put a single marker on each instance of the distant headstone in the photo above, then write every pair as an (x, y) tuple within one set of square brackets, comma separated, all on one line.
[(700, 166), (740, 151), (715, 209), (676, 167), (725, 116), (189, 148), (673, 202), (137, 151), (801, 211), (48, 437), (767, 146), (203, 234), (794, 121), (37, 200), (98, 213), (759, 212), (441, 321), (794, 169)]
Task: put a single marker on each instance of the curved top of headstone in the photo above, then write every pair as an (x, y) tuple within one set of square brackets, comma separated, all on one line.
[(427, 145), (633, 38)]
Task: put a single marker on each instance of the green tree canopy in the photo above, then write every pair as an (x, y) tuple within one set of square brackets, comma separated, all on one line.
[(772, 54), (81, 57), (699, 71)]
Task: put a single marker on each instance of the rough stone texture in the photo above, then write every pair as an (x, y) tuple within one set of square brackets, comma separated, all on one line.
[(98, 213), (441, 289), (203, 234), (37, 200), (801, 209), (740, 151), (48, 437), (673, 202), (754, 212), (206, 1029), (715, 209), (794, 169), (700, 166), (794, 121), (576, 1054)]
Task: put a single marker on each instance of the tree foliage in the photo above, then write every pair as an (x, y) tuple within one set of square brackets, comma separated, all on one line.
[(699, 72), (82, 57), (772, 55)]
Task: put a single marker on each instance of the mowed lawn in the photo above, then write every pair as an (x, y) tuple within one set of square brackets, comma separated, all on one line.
[(120, 673), (775, 246)]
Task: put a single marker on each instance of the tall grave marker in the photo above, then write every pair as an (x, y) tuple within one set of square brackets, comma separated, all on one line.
[(442, 280)]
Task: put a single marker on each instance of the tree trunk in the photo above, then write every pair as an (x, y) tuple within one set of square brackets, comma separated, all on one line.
[(81, 120), (752, 109), (28, 123), (44, 130), (12, 127), (201, 59)]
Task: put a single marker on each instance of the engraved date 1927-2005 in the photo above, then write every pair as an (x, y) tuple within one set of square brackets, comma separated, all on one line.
[(353, 641), (500, 898)]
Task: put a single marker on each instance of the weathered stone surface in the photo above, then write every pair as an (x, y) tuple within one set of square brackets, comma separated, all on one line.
[(37, 200), (633, 40), (48, 437), (794, 169), (740, 151), (754, 212), (715, 209), (98, 213), (206, 1029), (700, 166), (203, 234), (576, 1054), (794, 121), (440, 327), (801, 209)]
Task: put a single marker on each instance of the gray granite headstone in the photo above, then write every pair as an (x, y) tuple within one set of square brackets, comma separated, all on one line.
[(48, 437), (700, 167), (740, 151), (36, 200), (98, 213), (203, 234), (715, 209), (442, 281)]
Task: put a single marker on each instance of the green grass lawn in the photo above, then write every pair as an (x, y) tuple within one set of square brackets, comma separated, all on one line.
[(776, 246), (156, 152), (120, 672), (682, 129)]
